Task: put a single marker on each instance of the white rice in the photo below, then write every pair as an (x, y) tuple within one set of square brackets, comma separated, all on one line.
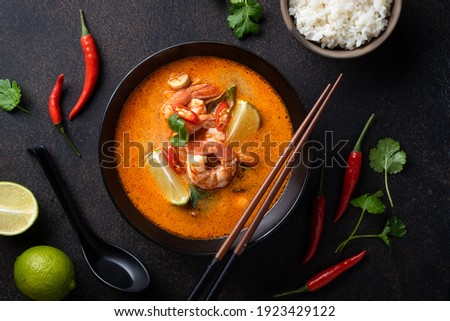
[(344, 23)]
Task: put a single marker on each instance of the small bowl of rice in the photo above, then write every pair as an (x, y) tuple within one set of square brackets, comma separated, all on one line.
[(341, 28)]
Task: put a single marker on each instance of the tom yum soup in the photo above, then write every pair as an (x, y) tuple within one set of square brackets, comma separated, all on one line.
[(196, 139)]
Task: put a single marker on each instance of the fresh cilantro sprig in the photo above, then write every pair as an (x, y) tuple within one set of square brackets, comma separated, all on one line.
[(388, 158), (244, 17), (181, 136), (372, 204), (10, 95), (394, 227), (194, 195)]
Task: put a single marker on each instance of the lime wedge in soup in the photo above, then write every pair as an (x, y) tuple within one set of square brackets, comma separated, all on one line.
[(172, 186), (244, 122)]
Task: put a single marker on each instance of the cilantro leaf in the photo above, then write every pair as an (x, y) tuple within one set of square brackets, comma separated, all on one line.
[(194, 195), (388, 158), (244, 17), (394, 227), (177, 140), (370, 203), (176, 124), (10, 95)]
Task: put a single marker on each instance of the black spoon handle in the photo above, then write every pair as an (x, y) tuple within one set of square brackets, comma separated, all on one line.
[(61, 191)]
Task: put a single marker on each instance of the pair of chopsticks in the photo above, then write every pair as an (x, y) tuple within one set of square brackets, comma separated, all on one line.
[(289, 154)]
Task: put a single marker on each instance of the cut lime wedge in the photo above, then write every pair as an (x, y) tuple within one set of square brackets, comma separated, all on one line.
[(172, 186), (245, 121), (18, 208)]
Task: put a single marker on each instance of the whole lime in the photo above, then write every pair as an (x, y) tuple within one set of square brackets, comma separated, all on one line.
[(44, 273)]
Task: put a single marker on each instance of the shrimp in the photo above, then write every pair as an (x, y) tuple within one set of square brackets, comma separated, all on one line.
[(185, 95), (194, 98), (204, 121), (198, 106), (210, 165), (212, 134)]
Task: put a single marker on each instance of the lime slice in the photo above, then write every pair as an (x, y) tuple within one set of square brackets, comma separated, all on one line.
[(245, 121), (173, 187), (18, 208)]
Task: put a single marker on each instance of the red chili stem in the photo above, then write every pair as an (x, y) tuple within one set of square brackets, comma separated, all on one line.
[(352, 172), (92, 66), (54, 110), (326, 276), (316, 222)]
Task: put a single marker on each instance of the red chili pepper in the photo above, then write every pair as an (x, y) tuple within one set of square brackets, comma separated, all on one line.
[(316, 222), (186, 114), (169, 157), (54, 110), (92, 66), (222, 115), (352, 171), (173, 159), (326, 276)]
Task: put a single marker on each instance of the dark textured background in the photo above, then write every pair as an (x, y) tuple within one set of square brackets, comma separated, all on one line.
[(405, 82)]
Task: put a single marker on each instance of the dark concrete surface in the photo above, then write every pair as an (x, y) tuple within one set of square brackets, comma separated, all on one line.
[(405, 82)]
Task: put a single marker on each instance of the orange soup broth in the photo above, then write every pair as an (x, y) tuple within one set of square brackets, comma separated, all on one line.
[(142, 127)]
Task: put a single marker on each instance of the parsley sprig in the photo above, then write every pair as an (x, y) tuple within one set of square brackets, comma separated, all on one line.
[(10, 95), (244, 17), (388, 158), (372, 204)]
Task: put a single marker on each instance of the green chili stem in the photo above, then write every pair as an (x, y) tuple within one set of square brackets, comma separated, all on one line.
[(84, 29), (357, 147), (61, 129), (320, 192), (300, 290)]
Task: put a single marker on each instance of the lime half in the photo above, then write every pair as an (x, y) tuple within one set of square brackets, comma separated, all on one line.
[(245, 121), (18, 208), (172, 186)]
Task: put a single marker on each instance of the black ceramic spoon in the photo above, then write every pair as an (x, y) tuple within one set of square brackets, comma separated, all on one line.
[(112, 265)]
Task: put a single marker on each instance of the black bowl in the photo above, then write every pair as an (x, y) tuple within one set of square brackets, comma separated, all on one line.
[(297, 179)]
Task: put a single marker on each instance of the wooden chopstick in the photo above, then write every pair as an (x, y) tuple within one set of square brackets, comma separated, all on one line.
[(297, 142)]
